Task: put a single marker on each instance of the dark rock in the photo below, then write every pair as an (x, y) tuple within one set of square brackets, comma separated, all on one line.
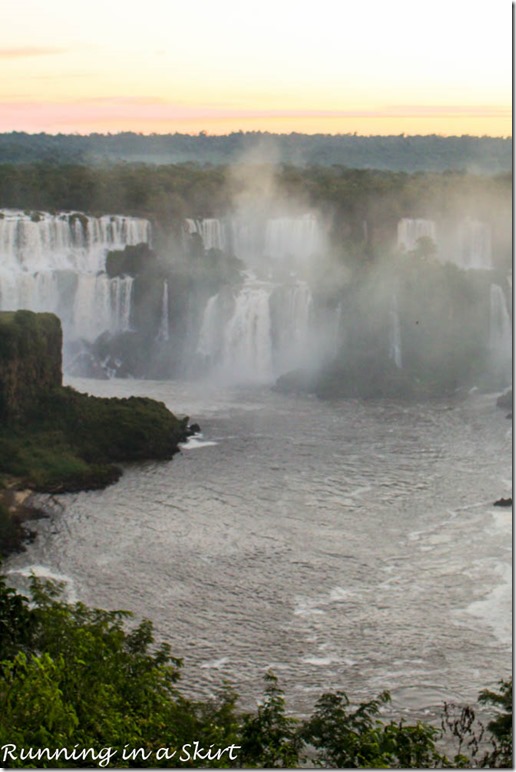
[(30, 360), (296, 382), (505, 400), (503, 502)]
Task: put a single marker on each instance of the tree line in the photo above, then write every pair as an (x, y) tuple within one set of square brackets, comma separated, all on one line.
[(396, 152)]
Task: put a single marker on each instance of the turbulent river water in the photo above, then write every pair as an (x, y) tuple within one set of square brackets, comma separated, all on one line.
[(346, 545)]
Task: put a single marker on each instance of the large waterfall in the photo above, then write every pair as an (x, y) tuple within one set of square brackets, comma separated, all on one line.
[(274, 243), (257, 331), (267, 325), (57, 263)]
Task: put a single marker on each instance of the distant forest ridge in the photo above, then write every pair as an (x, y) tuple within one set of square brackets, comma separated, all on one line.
[(480, 155)]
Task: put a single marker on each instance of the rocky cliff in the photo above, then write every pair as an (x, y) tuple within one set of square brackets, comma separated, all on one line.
[(30, 360), (55, 439)]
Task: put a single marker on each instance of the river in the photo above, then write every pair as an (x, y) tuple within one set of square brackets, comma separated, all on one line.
[(346, 545)]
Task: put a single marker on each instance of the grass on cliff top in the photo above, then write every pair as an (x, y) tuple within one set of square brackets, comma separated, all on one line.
[(69, 441)]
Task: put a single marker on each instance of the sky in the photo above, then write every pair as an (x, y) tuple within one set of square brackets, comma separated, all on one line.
[(329, 66)]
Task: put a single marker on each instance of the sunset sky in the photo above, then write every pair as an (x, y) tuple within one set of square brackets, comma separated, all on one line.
[(329, 66)]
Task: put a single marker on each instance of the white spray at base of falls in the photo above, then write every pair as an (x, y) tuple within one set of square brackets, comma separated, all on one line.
[(57, 263)]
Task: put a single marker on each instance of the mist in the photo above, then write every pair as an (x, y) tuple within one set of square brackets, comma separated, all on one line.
[(343, 282)]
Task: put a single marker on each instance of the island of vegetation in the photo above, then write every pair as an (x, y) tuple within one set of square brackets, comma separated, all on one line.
[(54, 439)]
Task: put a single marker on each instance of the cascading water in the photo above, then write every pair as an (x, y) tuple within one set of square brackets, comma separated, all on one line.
[(57, 263), (163, 333), (265, 327), (500, 333), (475, 245), (293, 239), (395, 333), (211, 230), (409, 231), (285, 241), (235, 336), (257, 332)]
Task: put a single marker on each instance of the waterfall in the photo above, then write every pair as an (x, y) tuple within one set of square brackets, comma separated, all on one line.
[(293, 239), (247, 346), (395, 333), (211, 230), (474, 245), (235, 336), (258, 331), (293, 318), (409, 231), (101, 305), (267, 326), (284, 241), (57, 263), (163, 325), (500, 333)]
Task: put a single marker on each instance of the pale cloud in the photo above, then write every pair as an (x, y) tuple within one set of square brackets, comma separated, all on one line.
[(24, 52)]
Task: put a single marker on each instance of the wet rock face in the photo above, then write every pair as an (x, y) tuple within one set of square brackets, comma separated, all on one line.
[(30, 360)]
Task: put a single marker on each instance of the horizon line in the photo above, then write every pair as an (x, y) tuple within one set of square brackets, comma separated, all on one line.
[(208, 134)]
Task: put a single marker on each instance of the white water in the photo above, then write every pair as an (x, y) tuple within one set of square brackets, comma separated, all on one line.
[(410, 230), (267, 326), (163, 333), (395, 351), (475, 245), (57, 264), (285, 243), (259, 330), (500, 332), (211, 230)]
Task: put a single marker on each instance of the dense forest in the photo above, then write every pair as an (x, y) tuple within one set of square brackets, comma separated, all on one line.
[(169, 193), (395, 153)]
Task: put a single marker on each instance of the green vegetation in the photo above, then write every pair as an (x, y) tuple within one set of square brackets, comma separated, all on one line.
[(406, 153), (76, 678), (68, 440), (169, 193), (55, 439)]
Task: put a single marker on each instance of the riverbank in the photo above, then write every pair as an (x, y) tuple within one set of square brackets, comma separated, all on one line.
[(54, 439)]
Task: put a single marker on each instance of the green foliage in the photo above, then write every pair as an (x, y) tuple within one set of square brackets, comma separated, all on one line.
[(501, 727), (68, 440), (400, 152), (75, 677), (347, 738), (270, 738)]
